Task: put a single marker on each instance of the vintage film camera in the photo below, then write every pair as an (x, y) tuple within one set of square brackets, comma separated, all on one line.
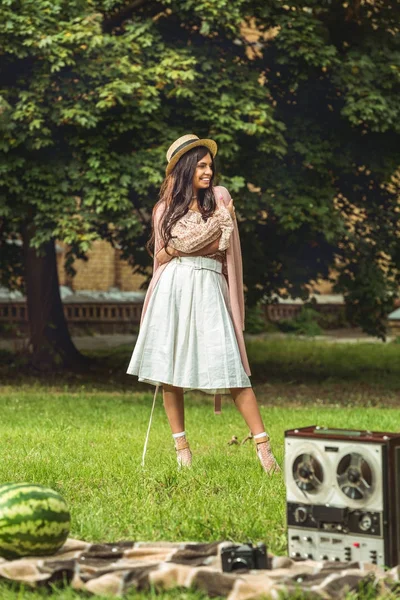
[(244, 556), (343, 495)]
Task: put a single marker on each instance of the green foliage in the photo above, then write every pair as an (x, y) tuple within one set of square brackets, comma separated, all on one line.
[(9, 330), (94, 91), (333, 320), (338, 106), (304, 323), (255, 319)]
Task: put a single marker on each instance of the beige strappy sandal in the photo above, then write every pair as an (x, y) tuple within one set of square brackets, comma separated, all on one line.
[(183, 452), (265, 455)]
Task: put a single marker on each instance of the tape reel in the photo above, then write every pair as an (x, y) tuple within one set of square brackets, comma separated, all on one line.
[(308, 473), (355, 477)]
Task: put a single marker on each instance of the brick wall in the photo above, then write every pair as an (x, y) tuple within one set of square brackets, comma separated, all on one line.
[(103, 269)]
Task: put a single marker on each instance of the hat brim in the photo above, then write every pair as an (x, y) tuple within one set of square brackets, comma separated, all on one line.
[(210, 144)]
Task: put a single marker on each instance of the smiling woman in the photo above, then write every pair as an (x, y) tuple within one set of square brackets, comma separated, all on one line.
[(202, 175), (191, 334)]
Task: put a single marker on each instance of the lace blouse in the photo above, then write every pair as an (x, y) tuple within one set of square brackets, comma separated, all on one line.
[(191, 233)]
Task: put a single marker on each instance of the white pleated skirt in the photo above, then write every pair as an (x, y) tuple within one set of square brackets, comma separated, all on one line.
[(187, 338)]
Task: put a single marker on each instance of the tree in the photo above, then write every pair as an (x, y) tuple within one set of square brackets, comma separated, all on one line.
[(95, 91), (333, 74)]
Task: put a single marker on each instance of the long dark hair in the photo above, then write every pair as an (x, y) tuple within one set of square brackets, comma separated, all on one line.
[(176, 192)]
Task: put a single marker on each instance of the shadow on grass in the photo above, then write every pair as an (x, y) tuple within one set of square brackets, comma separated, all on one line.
[(280, 367), (299, 361)]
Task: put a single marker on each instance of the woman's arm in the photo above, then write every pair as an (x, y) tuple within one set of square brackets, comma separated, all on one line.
[(163, 257), (209, 248), (189, 236)]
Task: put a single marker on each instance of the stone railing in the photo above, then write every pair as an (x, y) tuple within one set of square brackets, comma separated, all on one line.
[(119, 312), (13, 312), (103, 312), (289, 308)]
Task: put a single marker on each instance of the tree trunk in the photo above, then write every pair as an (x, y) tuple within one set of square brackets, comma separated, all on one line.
[(49, 336)]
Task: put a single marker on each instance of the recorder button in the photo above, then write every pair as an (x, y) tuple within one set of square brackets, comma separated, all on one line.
[(300, 514), (325, 540)]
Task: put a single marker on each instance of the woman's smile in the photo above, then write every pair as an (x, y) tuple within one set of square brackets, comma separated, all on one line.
[(203, 173)]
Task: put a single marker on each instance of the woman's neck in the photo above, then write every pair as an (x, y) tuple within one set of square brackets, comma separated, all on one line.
[(194, 205)]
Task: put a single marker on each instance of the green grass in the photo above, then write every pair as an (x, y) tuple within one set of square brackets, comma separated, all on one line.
[(375, 364), (17, 592), (88, 447), (288, 360), (83, 436)]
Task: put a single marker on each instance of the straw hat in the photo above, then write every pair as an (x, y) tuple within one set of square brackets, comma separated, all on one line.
[(183, 144)]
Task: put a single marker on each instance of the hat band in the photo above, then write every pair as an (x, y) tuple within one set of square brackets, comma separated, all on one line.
[(183, 146)]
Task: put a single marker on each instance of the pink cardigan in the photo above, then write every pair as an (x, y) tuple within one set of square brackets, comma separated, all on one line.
[(235, 278)]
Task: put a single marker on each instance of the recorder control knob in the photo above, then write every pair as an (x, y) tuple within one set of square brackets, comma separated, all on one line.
[(365, 522), (300, 514)]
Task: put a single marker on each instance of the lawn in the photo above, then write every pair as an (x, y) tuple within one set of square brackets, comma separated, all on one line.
[(84, 437)]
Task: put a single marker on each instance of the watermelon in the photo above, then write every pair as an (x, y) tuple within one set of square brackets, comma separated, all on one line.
[(34, 520)]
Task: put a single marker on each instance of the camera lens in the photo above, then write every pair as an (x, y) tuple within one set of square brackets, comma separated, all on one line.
[(239, 563)]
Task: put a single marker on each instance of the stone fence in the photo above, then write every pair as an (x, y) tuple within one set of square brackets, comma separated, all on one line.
[(119, 312), (88, 312)]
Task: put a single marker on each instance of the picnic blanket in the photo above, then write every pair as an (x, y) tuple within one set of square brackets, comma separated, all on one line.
[(113, 569)]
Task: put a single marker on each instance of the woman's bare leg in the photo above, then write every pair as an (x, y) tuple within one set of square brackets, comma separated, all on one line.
[(246, 402), (174, 407)]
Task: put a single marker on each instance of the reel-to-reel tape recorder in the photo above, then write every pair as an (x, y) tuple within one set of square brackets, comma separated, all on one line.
[(343, 495)]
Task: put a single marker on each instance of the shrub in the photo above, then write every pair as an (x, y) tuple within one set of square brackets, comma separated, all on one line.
[(305, 323), (256, 322), (333, 320)]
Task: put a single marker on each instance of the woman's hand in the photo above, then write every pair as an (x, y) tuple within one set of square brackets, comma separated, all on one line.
[(231, 209), (163, 257), (209, 249)]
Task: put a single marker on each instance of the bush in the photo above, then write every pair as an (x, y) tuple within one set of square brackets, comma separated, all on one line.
[(256, 321), (6, 356), (333, 320), (305, 323), (9, 330)]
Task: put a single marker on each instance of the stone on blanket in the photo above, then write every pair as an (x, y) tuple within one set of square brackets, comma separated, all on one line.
[(34, 520)]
